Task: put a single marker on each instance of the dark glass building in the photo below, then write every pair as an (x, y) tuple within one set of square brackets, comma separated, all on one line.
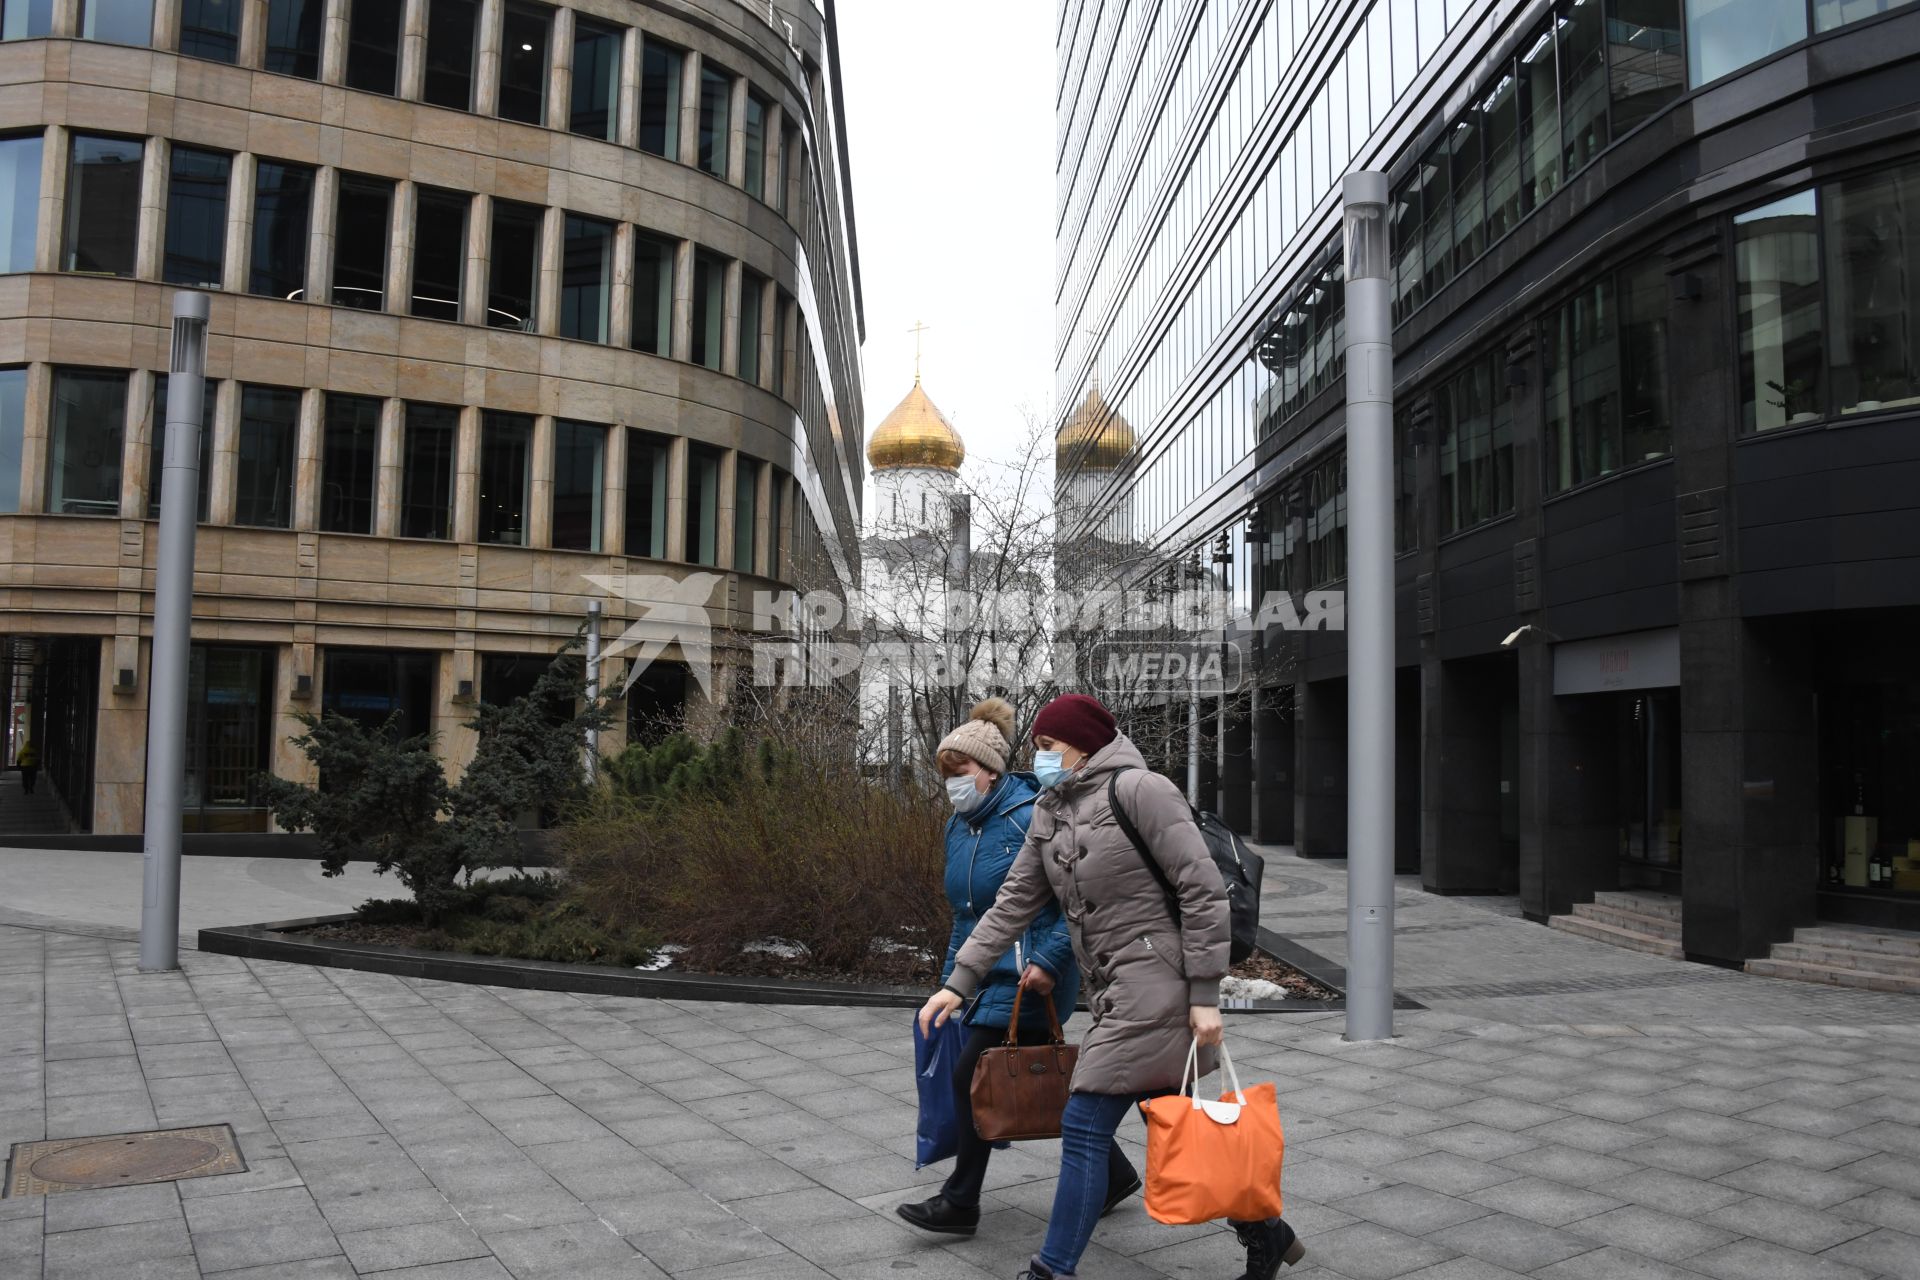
[(1657, 334)]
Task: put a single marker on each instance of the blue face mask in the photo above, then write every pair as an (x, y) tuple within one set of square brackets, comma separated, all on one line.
[(963, 794), (1047, 767)]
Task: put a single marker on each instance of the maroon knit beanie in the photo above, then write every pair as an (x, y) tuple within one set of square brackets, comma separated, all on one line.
[(1077, 720)]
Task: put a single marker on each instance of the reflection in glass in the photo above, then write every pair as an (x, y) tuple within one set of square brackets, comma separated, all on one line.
[(514, 265), (89, 422), (19, 202), (293, 37), (426, 471), (1725, 35), (228, 737), (117, 21), (269, 426), (210, 29), (716, 101), (360, 243), (374, 686), (526, 30), (653, 294), (1539, 74), (1643, 57), (1828, 14), (1872, 225), (451, 29), (1436, 202), (579, 481), (709, 308), (586, 279), (506, 477), (1582, 365), (13, 433), (157, 445), (103, 205), (646, 514), (1326, 512), (703, 504), (349, 458), (373, 46), (755, 127), (1474, 411), (439, 253), (746, 503), (1778, 248), (1468, 190), (596, 80), (282, 199), (752, 290), (1646, 429), (1583, 84), (25, 19), (660, 66), (196, 248)]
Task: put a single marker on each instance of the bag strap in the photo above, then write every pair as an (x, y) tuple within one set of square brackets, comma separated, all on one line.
[(1190, 1079), (1140, 845), (1013, 1022)]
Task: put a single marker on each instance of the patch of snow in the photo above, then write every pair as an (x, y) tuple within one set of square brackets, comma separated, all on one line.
[(1253, 989), (783, 948), (889, 947), (662, 958)]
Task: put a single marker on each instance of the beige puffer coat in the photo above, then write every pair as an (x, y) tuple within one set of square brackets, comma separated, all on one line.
[(1143, 971)]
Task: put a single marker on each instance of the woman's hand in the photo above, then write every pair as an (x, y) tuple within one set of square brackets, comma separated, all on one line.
[(1036, 980), (936, 1011), (1206, 1024)]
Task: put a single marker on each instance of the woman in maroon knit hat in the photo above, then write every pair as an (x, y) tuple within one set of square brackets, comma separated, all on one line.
[(1152, 973)]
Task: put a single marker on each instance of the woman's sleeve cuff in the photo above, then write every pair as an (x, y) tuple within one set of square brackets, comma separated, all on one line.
[(1204, 993)]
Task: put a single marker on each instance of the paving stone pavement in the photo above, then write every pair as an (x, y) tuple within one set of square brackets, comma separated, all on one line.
[(417, 1130)]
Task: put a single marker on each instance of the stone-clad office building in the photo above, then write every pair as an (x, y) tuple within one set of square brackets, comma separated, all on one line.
[(505, 294), (1657, 329)]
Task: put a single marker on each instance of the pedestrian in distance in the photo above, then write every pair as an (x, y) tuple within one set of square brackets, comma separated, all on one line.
[(1153, 972), (992, 808), (29, 763)]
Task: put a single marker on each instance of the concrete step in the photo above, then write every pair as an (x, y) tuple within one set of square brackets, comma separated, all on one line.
[(1665, 905), (1834, 976), (1844, 939), (1634, 921), (1847, 958), (1630, 939)]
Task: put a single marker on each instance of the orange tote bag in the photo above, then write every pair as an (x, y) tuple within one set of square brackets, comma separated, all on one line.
[(1212, 1160)]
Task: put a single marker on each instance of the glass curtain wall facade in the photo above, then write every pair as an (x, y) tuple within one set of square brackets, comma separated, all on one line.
[(1577, 326)]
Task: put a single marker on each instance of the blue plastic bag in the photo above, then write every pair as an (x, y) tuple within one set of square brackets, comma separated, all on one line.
[(934, 1061)]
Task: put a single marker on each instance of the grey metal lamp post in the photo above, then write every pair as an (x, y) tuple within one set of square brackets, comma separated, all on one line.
[(172, 637), (1370, 692)]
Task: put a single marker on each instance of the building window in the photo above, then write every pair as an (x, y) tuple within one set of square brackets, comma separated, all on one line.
[(1828, 14), (384, 690), (25, 19), (716, 102), (1778, 249), (196, 252), (1303, 348), (210, 29), (373, 46), (746, 510), (1606, 372), (660, 68), (709, 308), (282, 201), (703, 504), (1583, 84), (514, 275), (579, 481), (1643, 56), (527, 30), (1406, 526), (653, 260), (1725, 35), (506, 477), (586, 279), (361, 236), (1871, 226), (439, 253), (646, 515), (1500, 135), (103, 205), (1475, 415), (1539, 82), (349, 461), (19, 202), (1326, 533), (269, 428), (89, 423), (776, 512), (293, 37), (157, 451), (117, 21), (752, 293), (426, 471), (1468, 191), (789, 154), (229, 737), (13, 435), (755, 127), (451, 28), (596, 80), (784, 318)]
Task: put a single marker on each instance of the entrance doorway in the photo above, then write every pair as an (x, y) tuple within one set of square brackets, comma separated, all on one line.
[(1648, 732)]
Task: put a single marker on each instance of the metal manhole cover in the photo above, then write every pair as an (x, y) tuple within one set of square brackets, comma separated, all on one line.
[(122, 1160)]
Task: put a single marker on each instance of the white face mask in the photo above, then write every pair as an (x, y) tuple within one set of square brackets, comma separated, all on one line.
[(964, 796)]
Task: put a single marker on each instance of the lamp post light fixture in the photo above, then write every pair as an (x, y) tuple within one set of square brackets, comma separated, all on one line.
[(172, 637), (1370, 626)]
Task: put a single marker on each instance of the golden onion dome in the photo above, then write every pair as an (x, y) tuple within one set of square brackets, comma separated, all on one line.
[(1095, 422), (916, 434)]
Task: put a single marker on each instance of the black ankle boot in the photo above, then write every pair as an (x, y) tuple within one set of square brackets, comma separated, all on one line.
[(1037, 1270), (1116, 1194), (1268, 1245), (938, 1215)]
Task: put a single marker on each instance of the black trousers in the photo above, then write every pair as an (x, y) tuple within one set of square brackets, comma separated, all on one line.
[(970, 1161), (28, 772)]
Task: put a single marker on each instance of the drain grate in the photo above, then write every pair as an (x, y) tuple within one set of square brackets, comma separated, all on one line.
[(122, 1160)]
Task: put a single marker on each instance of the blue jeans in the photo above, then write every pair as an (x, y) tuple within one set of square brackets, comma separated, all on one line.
[(1086, 1139)]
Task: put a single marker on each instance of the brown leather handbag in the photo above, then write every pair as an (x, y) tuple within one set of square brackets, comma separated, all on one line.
[(1019, 1091)]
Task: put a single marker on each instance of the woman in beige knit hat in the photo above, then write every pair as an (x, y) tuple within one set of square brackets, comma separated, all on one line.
[(992, 807)]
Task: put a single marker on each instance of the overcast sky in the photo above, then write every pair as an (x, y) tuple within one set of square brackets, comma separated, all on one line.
[(950, 130)]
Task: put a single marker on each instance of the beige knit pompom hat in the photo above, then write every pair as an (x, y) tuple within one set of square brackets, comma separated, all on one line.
[(987, 736)]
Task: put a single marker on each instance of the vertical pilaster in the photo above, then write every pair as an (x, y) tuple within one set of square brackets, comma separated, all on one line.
[(166, 25), (1320, 755), (413, 49), (628, 98), (737, 132), (620, 297), (613, 511), (224, 459), (307, 458), (322, 219), (66, 18), (776, 127), (136, 440), (724, 508), (553, 229), (333, 42), (560, 71), (730, 320), (690, 109), (400, 245), (150, 239), (473, 302), (486, 71), (677, 499), (768, 337), (764, 534), (240, 192), (253, 33), (466, 477), (683, 301), (34, 439), (540, 486), (50, 232), (392, 469)]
